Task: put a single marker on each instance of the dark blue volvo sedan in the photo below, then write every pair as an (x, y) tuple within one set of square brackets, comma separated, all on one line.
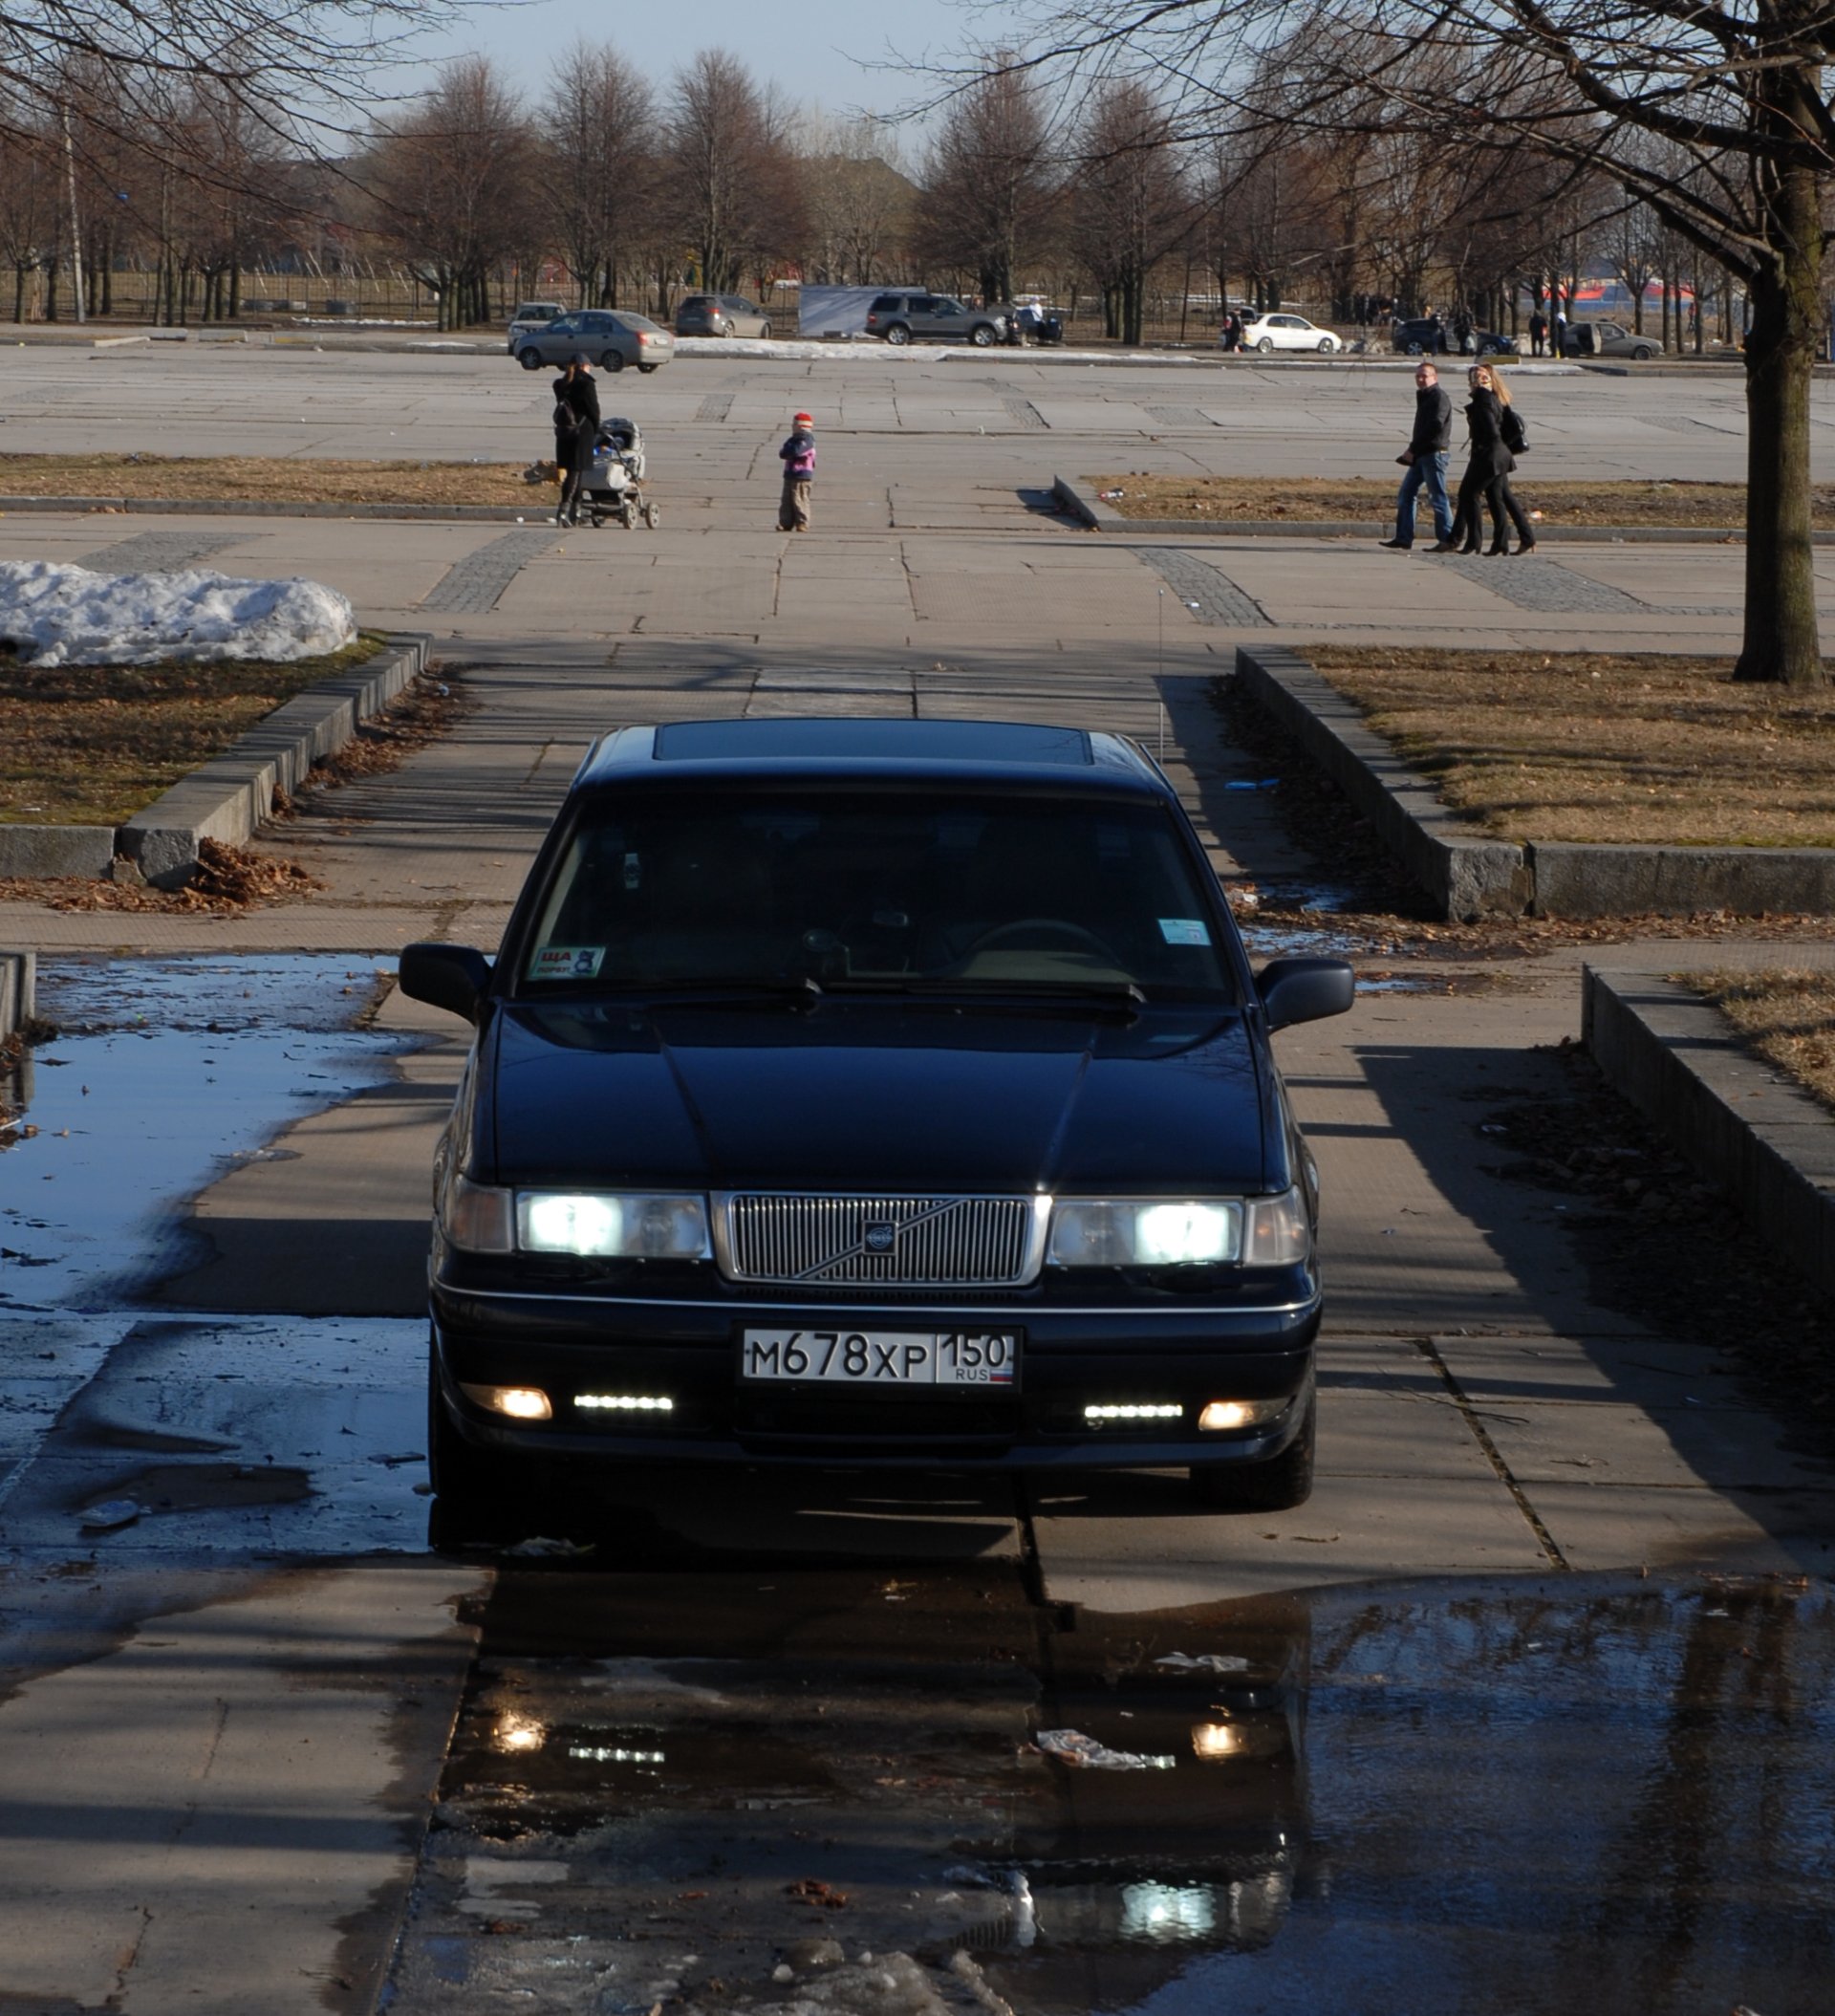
[(873, 1092)]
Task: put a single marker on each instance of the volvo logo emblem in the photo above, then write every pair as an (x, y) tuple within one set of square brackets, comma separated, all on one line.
[(881, 1238)]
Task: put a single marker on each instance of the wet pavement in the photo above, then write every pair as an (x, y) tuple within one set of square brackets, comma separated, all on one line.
[(705, 1744)]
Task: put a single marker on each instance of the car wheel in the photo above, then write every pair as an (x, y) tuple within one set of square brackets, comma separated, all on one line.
[(1265, 345), (764, 332), (1410, 350), (1277, 1486), (530, 359), (983, 335), (1326, 346), (1640, 355), (898, 335), (653, 515), (612, 361)]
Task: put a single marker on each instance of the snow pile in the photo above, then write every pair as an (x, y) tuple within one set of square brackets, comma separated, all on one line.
[(54, 615)]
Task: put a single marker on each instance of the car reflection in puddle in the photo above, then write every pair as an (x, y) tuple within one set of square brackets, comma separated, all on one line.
[(162, 1073), (1532, 1796)]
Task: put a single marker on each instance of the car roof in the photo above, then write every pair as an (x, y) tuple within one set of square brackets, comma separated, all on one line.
[(836, 748)]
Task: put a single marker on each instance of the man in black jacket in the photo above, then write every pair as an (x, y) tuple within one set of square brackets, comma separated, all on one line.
[(1425, 461)]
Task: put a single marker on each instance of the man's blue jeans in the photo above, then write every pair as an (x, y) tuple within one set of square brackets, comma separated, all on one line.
[(1428, 470)]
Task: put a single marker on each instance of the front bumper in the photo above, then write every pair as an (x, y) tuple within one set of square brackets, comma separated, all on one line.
[(688, 1351)]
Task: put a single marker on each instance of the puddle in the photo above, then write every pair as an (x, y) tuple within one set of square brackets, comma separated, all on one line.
[(1523, 1796), (163, 1072)]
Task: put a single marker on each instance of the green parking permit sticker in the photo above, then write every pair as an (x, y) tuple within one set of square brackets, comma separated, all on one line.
[(1184, 931), (568, 962)]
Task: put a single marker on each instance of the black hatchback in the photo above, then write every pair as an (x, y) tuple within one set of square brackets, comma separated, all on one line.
[(873, 1092)]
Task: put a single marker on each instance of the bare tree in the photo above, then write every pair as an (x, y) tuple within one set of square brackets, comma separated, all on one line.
[(858, 201), (601, 138), (1132, 203), (1737, 89), (988, 189), (452, 182), (736, 194)]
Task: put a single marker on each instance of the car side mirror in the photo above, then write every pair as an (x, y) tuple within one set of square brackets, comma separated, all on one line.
[(450, 977), (1305, 989)]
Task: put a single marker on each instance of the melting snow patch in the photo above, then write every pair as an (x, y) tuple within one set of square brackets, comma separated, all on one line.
[(55, 615)]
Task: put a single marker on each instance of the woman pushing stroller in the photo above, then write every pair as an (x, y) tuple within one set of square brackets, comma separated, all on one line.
[(577, 431)]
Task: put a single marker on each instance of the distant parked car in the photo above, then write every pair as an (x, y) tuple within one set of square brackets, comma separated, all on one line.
[(934, 319), (1286, 331), (1419, 335), (611, 338), (530, 319), (720, 316), (1607, 340)]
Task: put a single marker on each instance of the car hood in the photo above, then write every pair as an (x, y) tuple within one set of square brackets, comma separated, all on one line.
[(877, 1096)]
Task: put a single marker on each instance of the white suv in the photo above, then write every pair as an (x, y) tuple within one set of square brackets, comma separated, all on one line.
[(530, 320)]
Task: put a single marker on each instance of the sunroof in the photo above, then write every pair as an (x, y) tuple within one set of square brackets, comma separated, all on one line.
[(876, 741)]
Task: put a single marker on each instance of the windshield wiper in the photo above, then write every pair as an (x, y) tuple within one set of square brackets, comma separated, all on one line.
[(1044, 993)]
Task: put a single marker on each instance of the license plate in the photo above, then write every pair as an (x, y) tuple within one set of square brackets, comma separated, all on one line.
[(883, 1358)]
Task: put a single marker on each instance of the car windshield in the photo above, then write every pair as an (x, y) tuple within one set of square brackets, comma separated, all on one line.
[(892, 890)]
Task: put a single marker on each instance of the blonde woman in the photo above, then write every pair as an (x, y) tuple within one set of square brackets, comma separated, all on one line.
[(1490, 463), (1510, 425)]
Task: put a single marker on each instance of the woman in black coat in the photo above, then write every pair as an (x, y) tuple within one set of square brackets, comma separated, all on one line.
[(1491, 462), (577, 431)]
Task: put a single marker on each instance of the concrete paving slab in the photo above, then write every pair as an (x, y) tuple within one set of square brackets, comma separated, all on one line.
[(1609, 1443), (1665, 1529)]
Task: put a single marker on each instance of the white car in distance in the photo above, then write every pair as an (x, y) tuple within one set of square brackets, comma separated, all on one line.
[(1286, 331)]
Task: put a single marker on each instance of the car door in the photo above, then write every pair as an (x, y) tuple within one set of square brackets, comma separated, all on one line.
[(948, 318)]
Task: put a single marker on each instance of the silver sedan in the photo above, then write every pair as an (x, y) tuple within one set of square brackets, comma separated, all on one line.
[(606, 336)]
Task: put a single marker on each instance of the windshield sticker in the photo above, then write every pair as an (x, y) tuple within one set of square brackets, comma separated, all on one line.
[(568, 962), (1184, 931)]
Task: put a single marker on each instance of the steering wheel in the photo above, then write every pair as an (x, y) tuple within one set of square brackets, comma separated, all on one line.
[(1051, 926)]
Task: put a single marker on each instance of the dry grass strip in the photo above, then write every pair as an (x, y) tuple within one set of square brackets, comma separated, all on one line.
[(1223, 500), (1595, 745), (1786, 1016), (271, 479), (91, 744)]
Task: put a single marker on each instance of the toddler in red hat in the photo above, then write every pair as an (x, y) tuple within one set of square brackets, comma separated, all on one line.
[(798, 457)]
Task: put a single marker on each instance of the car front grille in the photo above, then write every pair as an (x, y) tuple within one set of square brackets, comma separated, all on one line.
[(885, 1242)]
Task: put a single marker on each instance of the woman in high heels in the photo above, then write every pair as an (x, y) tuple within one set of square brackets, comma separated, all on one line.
[(1514, 445), (1490, 459)]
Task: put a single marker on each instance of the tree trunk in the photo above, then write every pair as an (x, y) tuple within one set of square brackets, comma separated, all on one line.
[(1784, 296)]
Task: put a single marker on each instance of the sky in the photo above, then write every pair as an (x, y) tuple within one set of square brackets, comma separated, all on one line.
[(818, 52)]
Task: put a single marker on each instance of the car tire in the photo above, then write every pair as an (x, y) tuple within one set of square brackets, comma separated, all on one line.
[(764, 332), (983, 335), (1640, 355), (1277, 1486), (899, 336), (530, 359), (1265, 345), (1410, 350), (1326, 346), (612, 361)]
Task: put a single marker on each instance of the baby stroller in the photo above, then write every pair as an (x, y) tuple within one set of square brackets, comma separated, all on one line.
[(614, 486)]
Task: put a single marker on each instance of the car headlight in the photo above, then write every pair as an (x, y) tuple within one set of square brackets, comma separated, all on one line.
[(612, 1227), (483, 1218), (1257, 1231)]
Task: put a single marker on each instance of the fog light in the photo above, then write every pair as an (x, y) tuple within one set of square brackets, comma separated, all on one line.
[(627, 1403), (522, 1404), (1146, 1411), (1215, 1740), (1240, 1414)]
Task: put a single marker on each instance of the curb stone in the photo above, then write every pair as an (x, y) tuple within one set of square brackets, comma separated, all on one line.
[(1762, 1140), (1479, 877), (205, 508), (18, 991), (1081, 503), (228, 797)]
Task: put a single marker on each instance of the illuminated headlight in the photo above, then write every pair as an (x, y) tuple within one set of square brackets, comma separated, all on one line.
[(521, 1404), (1135, 1232), (1219, 1416), (621, 1227)]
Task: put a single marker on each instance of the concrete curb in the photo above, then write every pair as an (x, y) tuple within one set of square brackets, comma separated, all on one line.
[(226, 798), (1079, 502), (1469, 875), (1762, 1140), (18, 991)]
